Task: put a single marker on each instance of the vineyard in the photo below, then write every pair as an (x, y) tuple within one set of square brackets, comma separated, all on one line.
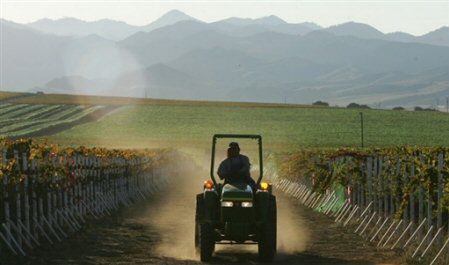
[(395, 197), (48, 192), (18, 120)]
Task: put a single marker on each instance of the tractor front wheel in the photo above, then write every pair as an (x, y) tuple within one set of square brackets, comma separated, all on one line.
[(267, 238)]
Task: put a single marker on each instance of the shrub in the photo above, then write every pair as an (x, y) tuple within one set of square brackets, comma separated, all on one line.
[(357, 106), (418, 108), (320, 103)]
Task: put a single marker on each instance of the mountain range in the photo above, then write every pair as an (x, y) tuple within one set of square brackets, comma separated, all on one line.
[(264, 59), (106, 28)]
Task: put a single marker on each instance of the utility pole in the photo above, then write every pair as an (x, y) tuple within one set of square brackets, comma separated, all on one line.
[(447, 104), (361, 127)]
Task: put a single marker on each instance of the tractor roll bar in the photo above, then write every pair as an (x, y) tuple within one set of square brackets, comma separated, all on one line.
[(238, 136)]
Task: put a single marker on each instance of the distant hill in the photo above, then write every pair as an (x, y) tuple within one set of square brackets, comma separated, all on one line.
[(29, 57), (247, 26), (355, 29), (118, 30), (77, 85), (437, 37), (400, 36), (156, 81), (269, 21), (169, 18), (11, 24), (108, 29), (264, 59)]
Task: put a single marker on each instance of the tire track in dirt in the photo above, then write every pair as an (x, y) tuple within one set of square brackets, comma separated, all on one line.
[(160, 231)]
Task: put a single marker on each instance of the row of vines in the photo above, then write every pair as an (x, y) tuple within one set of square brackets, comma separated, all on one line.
[(48, 192), (18, 120), (407, 187)]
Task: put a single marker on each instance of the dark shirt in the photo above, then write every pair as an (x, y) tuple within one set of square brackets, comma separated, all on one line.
[(235, 169)]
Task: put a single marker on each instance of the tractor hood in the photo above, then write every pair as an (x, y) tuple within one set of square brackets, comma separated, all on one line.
[(237, 192)]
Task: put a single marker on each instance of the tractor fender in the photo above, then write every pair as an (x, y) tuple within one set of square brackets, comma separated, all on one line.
[(209, 204), (262, 202)]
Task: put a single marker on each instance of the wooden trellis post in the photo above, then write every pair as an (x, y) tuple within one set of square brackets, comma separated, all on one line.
[(369, 180), (440, 191)]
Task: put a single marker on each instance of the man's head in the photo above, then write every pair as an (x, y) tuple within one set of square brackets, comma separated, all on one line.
[(234, 145), (233, 149)]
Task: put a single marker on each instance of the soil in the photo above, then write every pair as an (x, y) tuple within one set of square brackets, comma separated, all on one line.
[(160, 231)]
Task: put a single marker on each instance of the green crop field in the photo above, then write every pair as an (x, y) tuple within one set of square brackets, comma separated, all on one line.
[(282, 128), (140, 123)]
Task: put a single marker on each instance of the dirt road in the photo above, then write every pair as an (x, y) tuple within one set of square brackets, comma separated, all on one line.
[(160, 231)]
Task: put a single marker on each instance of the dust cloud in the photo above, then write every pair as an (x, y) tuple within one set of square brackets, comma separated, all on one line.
[(173, 216), (293, 234)]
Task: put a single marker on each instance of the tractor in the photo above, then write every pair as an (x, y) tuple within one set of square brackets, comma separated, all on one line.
[(235, 213)]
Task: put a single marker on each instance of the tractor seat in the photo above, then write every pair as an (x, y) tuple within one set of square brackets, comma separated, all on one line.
[(237, 192)]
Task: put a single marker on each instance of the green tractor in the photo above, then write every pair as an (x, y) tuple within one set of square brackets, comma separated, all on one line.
[(235, 213)]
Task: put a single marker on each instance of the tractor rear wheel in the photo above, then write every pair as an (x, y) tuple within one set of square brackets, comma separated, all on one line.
[(198, 214), (206, 242), (267, 238), (204, 233)]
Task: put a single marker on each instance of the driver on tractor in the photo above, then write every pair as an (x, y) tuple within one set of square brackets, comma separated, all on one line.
[(236, 167)]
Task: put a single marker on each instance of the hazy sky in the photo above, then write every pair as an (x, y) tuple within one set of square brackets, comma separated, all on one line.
[(416, 17)]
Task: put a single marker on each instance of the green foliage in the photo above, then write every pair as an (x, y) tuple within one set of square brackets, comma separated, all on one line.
[(357, 106), (320, 103), (324, 168), (56, 162)]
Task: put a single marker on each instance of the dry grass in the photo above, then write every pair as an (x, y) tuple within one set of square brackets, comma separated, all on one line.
[(6, 95), (118, 101)]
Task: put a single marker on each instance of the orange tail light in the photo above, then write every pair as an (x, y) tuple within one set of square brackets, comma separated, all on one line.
[(208, 184)]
